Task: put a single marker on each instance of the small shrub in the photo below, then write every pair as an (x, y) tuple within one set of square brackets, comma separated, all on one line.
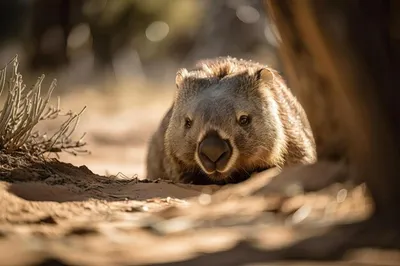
[(24, 109)]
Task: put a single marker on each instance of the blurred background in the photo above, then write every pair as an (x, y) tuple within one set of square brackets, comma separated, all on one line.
[(119, 58)]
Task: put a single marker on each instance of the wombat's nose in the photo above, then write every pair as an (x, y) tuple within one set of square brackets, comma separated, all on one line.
[(214, 152)]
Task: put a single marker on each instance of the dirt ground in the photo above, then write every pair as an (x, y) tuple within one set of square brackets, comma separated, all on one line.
[(96, 210)]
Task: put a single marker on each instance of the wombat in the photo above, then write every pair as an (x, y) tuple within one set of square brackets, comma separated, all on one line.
[(229, 118)]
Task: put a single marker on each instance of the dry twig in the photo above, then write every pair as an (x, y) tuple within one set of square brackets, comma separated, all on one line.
[(24, 109)]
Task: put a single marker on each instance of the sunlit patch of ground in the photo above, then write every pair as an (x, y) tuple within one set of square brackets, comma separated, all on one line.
[(118, 124)]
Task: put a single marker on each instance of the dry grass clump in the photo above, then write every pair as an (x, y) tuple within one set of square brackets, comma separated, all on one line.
[(24, 109)]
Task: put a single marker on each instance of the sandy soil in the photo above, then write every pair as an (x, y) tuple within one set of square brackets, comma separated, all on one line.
[(74, 213)]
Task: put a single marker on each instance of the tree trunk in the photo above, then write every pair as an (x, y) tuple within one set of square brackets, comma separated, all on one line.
[(336, 57)]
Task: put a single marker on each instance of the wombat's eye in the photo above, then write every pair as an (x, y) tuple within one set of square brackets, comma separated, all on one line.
[(244, 120), (188, 123)]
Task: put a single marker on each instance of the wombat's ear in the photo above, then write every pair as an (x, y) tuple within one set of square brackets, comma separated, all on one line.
[(265, 74), (180, 76)]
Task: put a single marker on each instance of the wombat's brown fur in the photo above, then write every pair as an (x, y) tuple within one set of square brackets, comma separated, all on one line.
[(229, 118)]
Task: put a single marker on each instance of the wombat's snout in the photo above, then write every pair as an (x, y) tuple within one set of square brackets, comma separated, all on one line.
[(214, 152)]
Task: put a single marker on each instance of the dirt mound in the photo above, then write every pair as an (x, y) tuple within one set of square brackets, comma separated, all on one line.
[(57, 214)]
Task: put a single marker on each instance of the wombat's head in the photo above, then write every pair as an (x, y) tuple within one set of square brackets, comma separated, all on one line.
[(224, 119)]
